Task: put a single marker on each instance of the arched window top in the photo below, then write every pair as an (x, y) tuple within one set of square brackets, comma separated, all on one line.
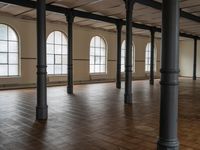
[(98, 55), (9, 51), (57, 53)]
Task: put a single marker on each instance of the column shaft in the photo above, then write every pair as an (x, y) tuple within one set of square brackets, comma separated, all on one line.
[(195, 59), (152, 57)]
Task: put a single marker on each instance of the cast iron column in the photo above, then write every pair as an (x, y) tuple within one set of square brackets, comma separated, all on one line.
[(195, 59), (168, 139), (42, 108), (119, 30), (152, 57), (128, 64), (70, 20)]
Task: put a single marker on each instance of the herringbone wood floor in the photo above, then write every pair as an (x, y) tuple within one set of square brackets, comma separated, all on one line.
[(96, 118)]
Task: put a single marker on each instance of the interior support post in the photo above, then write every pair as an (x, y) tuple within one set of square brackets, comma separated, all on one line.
[(152, 57), (168, 139), (118, 76), (41, 108), (195, 59), (128, 63), (70, 20)]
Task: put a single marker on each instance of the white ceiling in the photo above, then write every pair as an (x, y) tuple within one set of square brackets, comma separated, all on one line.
[(113, 8)]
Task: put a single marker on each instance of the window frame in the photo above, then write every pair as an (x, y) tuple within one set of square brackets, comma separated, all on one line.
[(100, 56), (53, 44), (18, 52)]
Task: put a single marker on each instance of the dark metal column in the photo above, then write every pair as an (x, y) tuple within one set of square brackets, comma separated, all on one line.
[(70, 20), (119, 30), (168, 139), (152, 57), (128, 64), (195, 59), (42, 108)]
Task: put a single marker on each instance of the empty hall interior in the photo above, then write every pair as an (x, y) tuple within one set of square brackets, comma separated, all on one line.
[(99, 75)]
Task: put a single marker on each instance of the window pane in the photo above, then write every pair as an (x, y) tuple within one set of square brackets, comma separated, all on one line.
[(91, 59), (97, 51), (97, 68), (103, 52), (97, 60), (103, 60), (91, 68), (92, 43), (58, 37), (92, 51), (64, 59), (58, 59), (58, 49), (3, 58), (64, 49), (64, 69), (50, 49), (97, 41), (50, 38), (50, 59), (50, 69), (3, 32), (103, 68), (13, 47), (13, 58), (3, 70), (3, 46), (13, 70), (58, 69), (12, 35), (64, 39)]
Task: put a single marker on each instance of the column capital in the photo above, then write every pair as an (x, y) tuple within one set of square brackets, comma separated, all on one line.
[(119, 24), (70, 15)]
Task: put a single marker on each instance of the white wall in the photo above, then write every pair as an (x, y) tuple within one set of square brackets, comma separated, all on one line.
[(26, 30)]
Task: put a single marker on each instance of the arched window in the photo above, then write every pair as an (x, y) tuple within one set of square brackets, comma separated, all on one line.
[(148, 57), (9, 51), (57, 53), (97, 55), (123, 56)]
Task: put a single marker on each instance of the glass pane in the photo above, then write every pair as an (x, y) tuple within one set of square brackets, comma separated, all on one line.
[(12, 35), (58, 59), (122, 68), (64, 39), (92, 51), (103, 43), (64, 69), (97, 41), (103, 60), (50, 49), (50, 69), (92, 44), (3, 70), (3, 46), (97, 60), (58, 69), (91, 59), (13, 58), (50, 38), (13, 70), (64, 59), (97, 68), (97, 52), (64, 49), (91, 68), (3, 58), (13, 47), (58, 49), (3, 32), (103, 52), (50, 59), (58, 36)]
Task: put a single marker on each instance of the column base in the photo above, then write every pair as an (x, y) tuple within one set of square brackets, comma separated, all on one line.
[(41, 113), (128, 98), (118, 85), (69, 89), (151, 82), (168, 145), (194, 78)]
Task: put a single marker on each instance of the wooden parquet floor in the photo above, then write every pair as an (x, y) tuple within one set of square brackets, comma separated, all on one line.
[(95, 118)]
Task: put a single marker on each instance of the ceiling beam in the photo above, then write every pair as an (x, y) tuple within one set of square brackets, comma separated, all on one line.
[(88, 15), (158, 6)]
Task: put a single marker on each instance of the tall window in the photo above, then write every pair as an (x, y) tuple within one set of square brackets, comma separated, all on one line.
[(148, 57), (123, 56), (97, 55), (9, 52), (57, 53)]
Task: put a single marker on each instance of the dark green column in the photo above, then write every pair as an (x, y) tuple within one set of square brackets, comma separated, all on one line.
[(152, 57)]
